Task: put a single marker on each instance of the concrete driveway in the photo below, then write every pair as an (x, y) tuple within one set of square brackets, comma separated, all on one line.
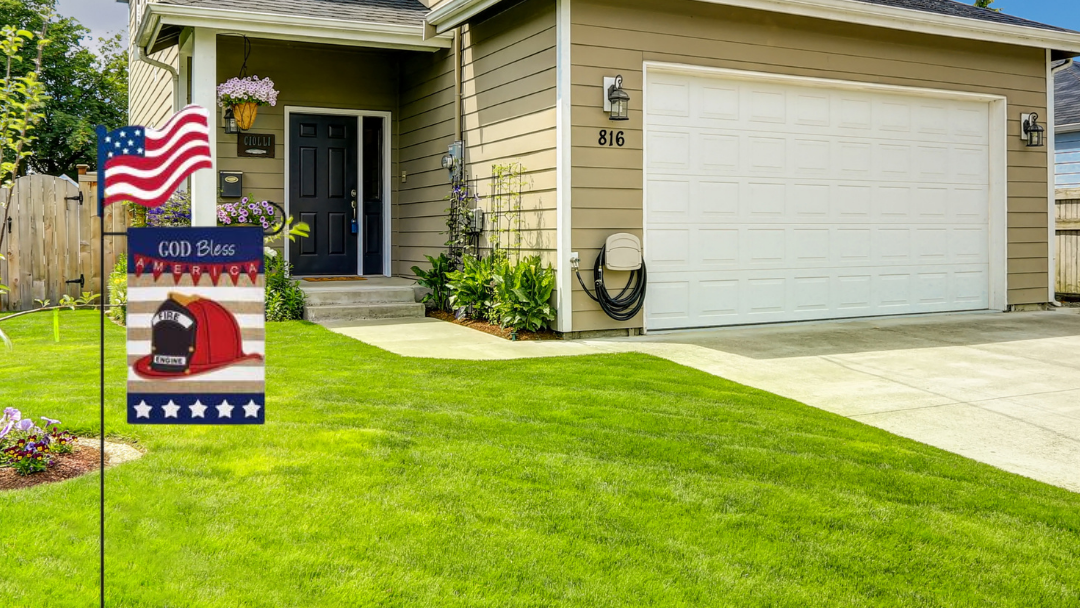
[(1003, 389)]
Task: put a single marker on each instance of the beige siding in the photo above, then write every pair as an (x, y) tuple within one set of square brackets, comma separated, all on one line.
[(427, 129), (609, 37), (312, 76), (508, 110), (150, 89)]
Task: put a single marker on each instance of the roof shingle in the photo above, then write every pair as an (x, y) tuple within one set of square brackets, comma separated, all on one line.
[(958, 9), (1067, 96), (412, 12), (399, 12)]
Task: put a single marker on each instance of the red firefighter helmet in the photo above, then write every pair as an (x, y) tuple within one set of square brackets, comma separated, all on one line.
[(192, 335)]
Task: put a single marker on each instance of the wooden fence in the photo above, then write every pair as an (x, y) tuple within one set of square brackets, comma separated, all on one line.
[(51, 239), (1068, 243)]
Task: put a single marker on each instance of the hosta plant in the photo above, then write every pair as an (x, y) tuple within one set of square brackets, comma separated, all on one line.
[(437, 280), (473, 287), (523, 294)]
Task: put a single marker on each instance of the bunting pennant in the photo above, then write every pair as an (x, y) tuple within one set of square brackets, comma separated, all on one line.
[(160, 266)]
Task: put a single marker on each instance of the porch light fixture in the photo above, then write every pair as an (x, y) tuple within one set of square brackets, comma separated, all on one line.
[(1032, 132), (616, 100), (231, 127)]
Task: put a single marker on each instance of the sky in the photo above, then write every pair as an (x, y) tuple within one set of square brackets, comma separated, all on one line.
[(105, 17), (1062, 13)]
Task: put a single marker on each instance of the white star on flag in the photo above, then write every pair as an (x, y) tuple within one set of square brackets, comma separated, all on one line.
[(224, 410), (142, 410), (171, 409), (198, 410), (251, 410)]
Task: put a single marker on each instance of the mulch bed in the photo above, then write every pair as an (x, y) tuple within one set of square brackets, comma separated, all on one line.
[(490, 328), (84, 460)]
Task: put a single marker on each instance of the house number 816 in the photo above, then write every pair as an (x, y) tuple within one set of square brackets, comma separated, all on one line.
[(611, 138)]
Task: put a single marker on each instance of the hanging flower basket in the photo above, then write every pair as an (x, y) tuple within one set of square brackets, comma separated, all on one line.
[(245, 95), (245, 114)]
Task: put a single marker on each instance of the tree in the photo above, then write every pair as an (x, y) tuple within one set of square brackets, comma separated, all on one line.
[(986, 4), (85, 88)]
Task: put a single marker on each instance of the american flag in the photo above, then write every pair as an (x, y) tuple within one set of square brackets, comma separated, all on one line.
[(145, 165)]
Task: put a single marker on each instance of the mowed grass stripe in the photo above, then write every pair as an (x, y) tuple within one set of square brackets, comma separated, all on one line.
[(615, 480)]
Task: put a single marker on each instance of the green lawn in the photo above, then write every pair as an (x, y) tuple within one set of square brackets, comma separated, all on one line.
[(616, 480)]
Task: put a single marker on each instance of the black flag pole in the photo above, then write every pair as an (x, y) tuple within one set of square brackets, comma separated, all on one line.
[(102, 156), (101, 330)]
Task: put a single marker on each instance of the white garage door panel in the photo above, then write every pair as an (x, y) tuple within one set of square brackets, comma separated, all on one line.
[(779, 202)]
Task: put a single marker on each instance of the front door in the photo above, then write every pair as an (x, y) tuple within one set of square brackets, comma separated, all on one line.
[(323, 193)]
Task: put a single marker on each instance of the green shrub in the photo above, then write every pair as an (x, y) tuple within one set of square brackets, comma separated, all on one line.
[(284, 298), (523, 294), (118, 291), (437, 280), (473, 287)]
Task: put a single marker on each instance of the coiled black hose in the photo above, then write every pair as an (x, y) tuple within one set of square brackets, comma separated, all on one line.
[(624, 306)]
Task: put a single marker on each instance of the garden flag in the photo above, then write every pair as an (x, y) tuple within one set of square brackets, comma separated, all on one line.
[(145, 166), (195, 326)]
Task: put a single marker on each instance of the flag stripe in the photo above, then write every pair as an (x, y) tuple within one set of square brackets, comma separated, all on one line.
[(184, 114), (232, 373), (245, 321), (189, 131), (126, 191), (142, 347), (146, 169)]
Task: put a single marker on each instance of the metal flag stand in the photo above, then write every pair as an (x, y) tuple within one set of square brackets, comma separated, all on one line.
[(101, 156)]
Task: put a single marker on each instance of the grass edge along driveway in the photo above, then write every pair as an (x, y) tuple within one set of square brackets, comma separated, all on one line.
[(607, 480)]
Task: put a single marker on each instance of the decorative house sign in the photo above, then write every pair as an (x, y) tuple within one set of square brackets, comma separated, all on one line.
[(195, 326), (255, 145)]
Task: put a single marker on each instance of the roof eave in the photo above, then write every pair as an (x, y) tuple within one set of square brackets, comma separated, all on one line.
[(288, 27), (452, 13), (917, 21)]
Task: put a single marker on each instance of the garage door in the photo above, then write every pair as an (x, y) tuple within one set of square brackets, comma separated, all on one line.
[(777, 201)]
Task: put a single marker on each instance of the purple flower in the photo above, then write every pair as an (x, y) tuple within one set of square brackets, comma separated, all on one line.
[(13, 414), (247, 90), (25, 425), (6, 429), (50, 422)]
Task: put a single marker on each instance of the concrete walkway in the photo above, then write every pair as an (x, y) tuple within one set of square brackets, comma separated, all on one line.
[(1003, 389)]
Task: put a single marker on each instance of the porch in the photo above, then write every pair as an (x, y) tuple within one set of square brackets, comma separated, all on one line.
[(354, 143)]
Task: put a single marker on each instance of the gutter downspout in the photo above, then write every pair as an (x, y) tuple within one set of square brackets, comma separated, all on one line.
[(1052, 174), (143, 57)]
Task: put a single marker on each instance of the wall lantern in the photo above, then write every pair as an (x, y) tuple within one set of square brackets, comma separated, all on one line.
[(616, 100), (231, 127), (1033, 133)]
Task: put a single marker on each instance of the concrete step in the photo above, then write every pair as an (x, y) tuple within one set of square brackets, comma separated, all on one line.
[(358, 312), (328, 296)]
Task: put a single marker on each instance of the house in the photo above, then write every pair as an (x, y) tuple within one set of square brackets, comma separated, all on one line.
[(783, 160), (1067, 124)]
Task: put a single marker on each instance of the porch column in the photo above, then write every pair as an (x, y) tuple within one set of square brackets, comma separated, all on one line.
[(204, 187)]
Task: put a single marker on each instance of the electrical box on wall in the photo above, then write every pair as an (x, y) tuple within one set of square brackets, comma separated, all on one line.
[(231, 184)]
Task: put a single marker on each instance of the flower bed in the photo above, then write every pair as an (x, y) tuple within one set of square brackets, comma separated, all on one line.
[(493, 329), (27, 449)]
